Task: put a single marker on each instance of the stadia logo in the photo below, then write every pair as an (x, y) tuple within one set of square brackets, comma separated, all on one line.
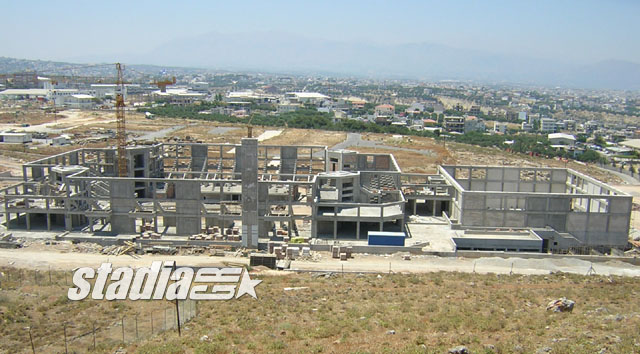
[(161, 281)]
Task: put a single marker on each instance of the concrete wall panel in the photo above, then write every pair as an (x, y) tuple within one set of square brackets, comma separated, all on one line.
[(619, 223), (597, 222), (474, 201), (536, 204), (511, 175), (559, 176), (473, 218), (494, 218), (536, 220), (526, 187), (576, 222), (557, 221), (514, 219), (494, 174), (620, 205), (560, 204)]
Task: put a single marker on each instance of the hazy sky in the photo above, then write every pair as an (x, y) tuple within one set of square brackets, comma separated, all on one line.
[(580, 31)]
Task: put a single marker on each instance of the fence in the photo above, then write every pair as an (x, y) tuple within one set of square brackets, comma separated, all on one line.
[(620, 170), (43, 333), (100, 336)]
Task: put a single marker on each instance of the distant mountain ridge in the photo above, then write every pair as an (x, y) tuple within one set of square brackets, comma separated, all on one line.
[(282, 52), (292, 54)]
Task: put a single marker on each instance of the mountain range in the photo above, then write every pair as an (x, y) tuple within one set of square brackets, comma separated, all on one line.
[(286, 53), (273, 51)]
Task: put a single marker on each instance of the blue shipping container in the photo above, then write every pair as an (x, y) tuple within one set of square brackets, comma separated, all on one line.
[(382, 238)]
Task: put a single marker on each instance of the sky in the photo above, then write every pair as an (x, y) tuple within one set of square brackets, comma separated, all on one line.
[(579, 31)]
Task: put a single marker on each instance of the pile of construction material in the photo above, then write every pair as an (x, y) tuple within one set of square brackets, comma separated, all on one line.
[(291, 252), (88, 247), (116, 250), (7, 241), (147, 226), (215, 234), (150, 235), (160, 249), (342, 252)]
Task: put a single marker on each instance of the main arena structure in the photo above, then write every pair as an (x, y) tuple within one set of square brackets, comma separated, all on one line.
[(319, 196)]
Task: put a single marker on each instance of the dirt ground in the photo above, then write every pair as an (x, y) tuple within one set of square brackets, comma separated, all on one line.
[(307, 137)]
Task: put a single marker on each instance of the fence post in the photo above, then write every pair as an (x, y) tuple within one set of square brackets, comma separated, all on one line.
[(33, 347), (177, 308), (151, 322), (49, 275), (66, 350), (123, 330), (165, 318), (94, 332), (136, 327)]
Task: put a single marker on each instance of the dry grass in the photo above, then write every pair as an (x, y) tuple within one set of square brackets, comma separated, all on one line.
[(465, 154), (30, 300), (307, 137), (200, 131), (410, 162), (428, 312), (34, 116)]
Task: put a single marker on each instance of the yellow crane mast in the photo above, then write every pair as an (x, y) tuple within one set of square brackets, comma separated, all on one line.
[(121, 132)]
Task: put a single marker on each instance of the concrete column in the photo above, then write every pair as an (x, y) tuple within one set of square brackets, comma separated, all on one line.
[(358, 230), (8, 219), (249, 156), (27, 217), (335, 229)]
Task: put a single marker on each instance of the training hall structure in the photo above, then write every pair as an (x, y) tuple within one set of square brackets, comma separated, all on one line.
[(263, 193)]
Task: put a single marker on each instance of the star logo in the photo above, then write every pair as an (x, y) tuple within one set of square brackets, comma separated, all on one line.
[(247, 286)]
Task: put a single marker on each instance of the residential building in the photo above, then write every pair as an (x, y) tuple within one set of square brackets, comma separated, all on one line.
[(384, 110), (454, 124), (561, 139), (473, 124), (547, 125), (522, 116), (500, 127)]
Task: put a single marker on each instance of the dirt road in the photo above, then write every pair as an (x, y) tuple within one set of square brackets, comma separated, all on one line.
[(25, 258)]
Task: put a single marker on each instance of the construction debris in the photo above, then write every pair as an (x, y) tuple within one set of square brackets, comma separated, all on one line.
[(7, 241), (561, 305)]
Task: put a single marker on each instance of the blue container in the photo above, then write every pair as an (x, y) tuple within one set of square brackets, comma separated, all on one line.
[(382, 238)]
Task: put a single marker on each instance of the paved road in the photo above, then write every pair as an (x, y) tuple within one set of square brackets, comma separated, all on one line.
[(159, 134), (626, 178)]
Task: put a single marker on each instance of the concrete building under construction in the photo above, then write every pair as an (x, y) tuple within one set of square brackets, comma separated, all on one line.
[(268, 192)]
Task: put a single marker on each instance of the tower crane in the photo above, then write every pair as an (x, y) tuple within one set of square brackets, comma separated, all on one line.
[(162, 85), (121, 132)]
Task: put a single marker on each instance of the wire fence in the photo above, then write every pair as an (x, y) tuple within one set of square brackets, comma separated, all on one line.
[(99, 337), (81, 334)]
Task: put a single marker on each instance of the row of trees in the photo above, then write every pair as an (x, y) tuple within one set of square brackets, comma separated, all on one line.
[(312, 119), (302, 119)]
